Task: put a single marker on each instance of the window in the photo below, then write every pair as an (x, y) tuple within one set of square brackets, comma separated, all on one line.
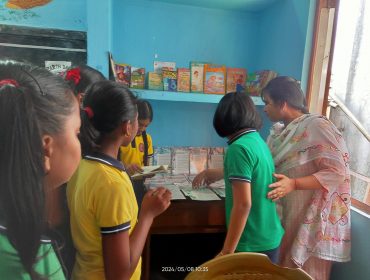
[(350, 89)]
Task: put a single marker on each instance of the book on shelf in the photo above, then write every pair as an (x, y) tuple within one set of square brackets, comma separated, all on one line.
[(155, 81), (197, 159), (137, 77), (169, 80), (235, 79), (119, 72), (150, 170), (214, 79), (123, 73), (183, 79), (164, 65), (196, 76), (256, 81), (112, 69)]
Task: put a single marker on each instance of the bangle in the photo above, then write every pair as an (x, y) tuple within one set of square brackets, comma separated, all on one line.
[(295, 184)]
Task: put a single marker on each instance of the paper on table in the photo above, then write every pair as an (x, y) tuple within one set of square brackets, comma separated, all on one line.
[(218, 184), (219, 191), (203, 194), (176, 192), (150, 170)]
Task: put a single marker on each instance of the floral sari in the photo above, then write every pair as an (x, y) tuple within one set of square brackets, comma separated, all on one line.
[(316, 222)]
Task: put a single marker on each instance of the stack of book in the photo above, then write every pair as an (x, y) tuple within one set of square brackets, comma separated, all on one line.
[(200, 77)]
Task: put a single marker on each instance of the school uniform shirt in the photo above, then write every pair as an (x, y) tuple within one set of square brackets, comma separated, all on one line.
[(101, 202), (134, 152), (249, 159), (47, 265)]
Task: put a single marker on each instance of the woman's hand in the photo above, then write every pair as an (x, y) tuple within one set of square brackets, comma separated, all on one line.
[(282, 187), (155, 202), (207, 177)]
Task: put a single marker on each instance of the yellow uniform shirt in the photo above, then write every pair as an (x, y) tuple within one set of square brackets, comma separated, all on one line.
[(101, 201), (134, 152)]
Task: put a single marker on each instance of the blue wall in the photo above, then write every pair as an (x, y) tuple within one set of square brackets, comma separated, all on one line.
[(145, 31), (99, 24), (188, 124), (282, 37), (58, 14), (142, 30)]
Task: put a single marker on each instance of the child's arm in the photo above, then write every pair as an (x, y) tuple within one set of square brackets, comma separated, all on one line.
[(208, 176), (155, 202), (121, 251), (242, 203)]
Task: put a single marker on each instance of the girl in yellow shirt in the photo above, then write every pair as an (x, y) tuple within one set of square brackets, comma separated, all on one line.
[(140, 152)]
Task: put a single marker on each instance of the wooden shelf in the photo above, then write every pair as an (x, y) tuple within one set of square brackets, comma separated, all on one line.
[(184, 96)]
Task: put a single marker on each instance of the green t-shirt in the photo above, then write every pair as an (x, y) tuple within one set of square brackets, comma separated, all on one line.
[(249, 159), (11, 267)]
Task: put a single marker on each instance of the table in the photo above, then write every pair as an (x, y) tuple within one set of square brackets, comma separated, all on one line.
[(186, 216)]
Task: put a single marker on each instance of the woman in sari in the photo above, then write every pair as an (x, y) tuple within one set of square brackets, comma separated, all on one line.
[(312, 181)]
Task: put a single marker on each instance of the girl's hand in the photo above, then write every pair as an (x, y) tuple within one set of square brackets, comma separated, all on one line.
[(155, 202), (207, 177), (282, 187), (133, 168)]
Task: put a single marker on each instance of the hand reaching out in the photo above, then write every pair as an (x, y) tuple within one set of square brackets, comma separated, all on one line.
[(207, 177)]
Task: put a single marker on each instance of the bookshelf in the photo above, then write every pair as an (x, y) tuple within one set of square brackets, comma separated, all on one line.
[(185, 96), (255, 35)]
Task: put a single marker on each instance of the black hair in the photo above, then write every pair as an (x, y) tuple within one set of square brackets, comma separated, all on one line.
[(110, 104), (35, 102), (87, 76), (285, 89), (235, 111), (145, 110)]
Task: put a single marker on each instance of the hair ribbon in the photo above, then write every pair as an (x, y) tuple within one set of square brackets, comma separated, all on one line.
[(74, 75), (9, 82), (89, 112)]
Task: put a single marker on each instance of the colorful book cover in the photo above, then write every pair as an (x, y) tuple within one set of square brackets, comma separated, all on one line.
[(169, 80), (196, 76), (137, 77), (155, 81), (235, 79), (198, 159), (164, 65), (183, 79), (258, 80), (123, 73), (214, 79)]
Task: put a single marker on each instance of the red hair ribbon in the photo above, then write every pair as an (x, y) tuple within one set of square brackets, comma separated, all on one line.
[(9, 82), (73, 75), (89, 112)]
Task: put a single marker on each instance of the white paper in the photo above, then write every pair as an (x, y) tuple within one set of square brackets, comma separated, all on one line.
[(57, 67), (180, 161), (202, 194)]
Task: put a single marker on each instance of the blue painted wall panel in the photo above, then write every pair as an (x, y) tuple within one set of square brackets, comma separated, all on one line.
[(59, 14), (144, 31), (188, 124), (282, 37)]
